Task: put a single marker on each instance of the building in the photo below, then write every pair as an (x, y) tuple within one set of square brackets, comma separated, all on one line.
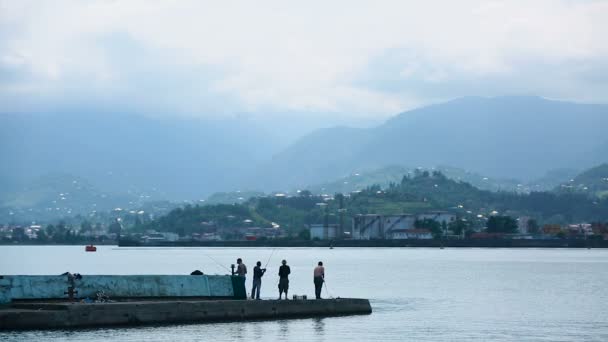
[(160, 237), (552, 229), (423, 234), (371, 227), (321, 232), (522, 225), (439, 216)]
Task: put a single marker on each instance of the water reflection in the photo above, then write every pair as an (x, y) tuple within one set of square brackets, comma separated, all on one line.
[(453, 294), (318, 326), (258, 331), (283, 328)]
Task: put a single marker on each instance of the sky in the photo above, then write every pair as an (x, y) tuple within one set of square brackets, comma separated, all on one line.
[(353, 61)]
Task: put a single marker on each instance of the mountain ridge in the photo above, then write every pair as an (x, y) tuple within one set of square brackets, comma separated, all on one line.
[(504, 137)]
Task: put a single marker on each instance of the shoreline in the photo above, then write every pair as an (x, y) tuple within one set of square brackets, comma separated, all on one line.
[(467, 243)]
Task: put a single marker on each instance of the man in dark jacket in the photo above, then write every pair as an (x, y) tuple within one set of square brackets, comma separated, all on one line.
[(258, 272), (284, 272)]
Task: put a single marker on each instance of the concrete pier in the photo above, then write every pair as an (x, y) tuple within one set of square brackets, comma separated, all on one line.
[(61, 315)]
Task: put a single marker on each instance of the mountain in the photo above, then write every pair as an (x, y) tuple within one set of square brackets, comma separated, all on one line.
[(502, 137), (179, 158), (505, 139), (394, 174), (232, 197), (418, 193), (59, 195), (552, 179), (593, 181), (54, 197)]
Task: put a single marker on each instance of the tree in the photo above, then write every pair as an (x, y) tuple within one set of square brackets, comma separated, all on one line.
[(304, 234), (430, 224), (305, 193), (502, 224), (459, 226), (115, 228), (533, 227), (41, 236), (19, 234), (86, 226), (50, 230), (60, 230)]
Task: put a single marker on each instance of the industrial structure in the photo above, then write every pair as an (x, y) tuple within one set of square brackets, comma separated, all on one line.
[(372, 227)]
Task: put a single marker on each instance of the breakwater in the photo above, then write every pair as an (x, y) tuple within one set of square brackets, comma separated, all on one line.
[(23, 316)]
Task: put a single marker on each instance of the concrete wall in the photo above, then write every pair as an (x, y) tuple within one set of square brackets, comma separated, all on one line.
[(54, 287)]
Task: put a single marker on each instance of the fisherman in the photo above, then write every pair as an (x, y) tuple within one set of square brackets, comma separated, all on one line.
[(284, 272), (241, 269), (258, 272), (319, 278)]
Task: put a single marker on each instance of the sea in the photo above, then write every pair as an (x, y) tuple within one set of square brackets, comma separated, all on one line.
[(417, 294)]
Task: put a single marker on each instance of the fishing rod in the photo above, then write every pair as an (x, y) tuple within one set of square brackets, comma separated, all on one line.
[(268, 261), (217, 262)]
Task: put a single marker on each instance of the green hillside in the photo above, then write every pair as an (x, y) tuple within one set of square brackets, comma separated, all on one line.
[(419, 192), (593, 182)]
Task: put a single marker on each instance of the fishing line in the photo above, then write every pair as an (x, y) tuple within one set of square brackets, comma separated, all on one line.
[(217, 262), (269, 257), (327, 289)]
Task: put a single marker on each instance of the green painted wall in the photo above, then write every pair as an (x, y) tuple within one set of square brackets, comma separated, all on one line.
[(48, 287)]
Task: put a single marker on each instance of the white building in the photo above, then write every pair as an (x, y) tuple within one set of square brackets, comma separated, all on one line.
[(522, 225), (320, 232), (423, 234), (366, 227)]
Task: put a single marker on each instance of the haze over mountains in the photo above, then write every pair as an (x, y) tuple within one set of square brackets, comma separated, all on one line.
[(504, 137), (174, 158)]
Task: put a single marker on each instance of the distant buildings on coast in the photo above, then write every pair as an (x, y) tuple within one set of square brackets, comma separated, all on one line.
[(362, 227)]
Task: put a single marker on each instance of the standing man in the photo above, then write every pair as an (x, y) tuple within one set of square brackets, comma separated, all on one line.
[(319, 278), (241, 269), (284, 272), (258, 272)]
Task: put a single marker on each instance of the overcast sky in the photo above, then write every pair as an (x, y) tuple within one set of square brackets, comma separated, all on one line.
[(351, 59)]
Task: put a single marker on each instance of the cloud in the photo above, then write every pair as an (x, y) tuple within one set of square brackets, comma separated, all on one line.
[(352, 58)]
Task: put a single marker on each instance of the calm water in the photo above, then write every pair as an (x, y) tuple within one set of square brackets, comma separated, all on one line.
[(417, 294)]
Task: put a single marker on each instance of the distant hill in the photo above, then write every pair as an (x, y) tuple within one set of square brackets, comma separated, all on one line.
[(119, 152), (394, 174), (66, 192), (418, 193), (57, 195), (508, 140), (503, 137), (552, 179), (62, 196), (593, 182), (232, 197)]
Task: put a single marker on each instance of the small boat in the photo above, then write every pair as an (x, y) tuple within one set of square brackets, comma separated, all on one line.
[(90, 248)]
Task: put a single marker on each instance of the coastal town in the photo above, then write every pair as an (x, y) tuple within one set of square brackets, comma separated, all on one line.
[(425, 226)]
